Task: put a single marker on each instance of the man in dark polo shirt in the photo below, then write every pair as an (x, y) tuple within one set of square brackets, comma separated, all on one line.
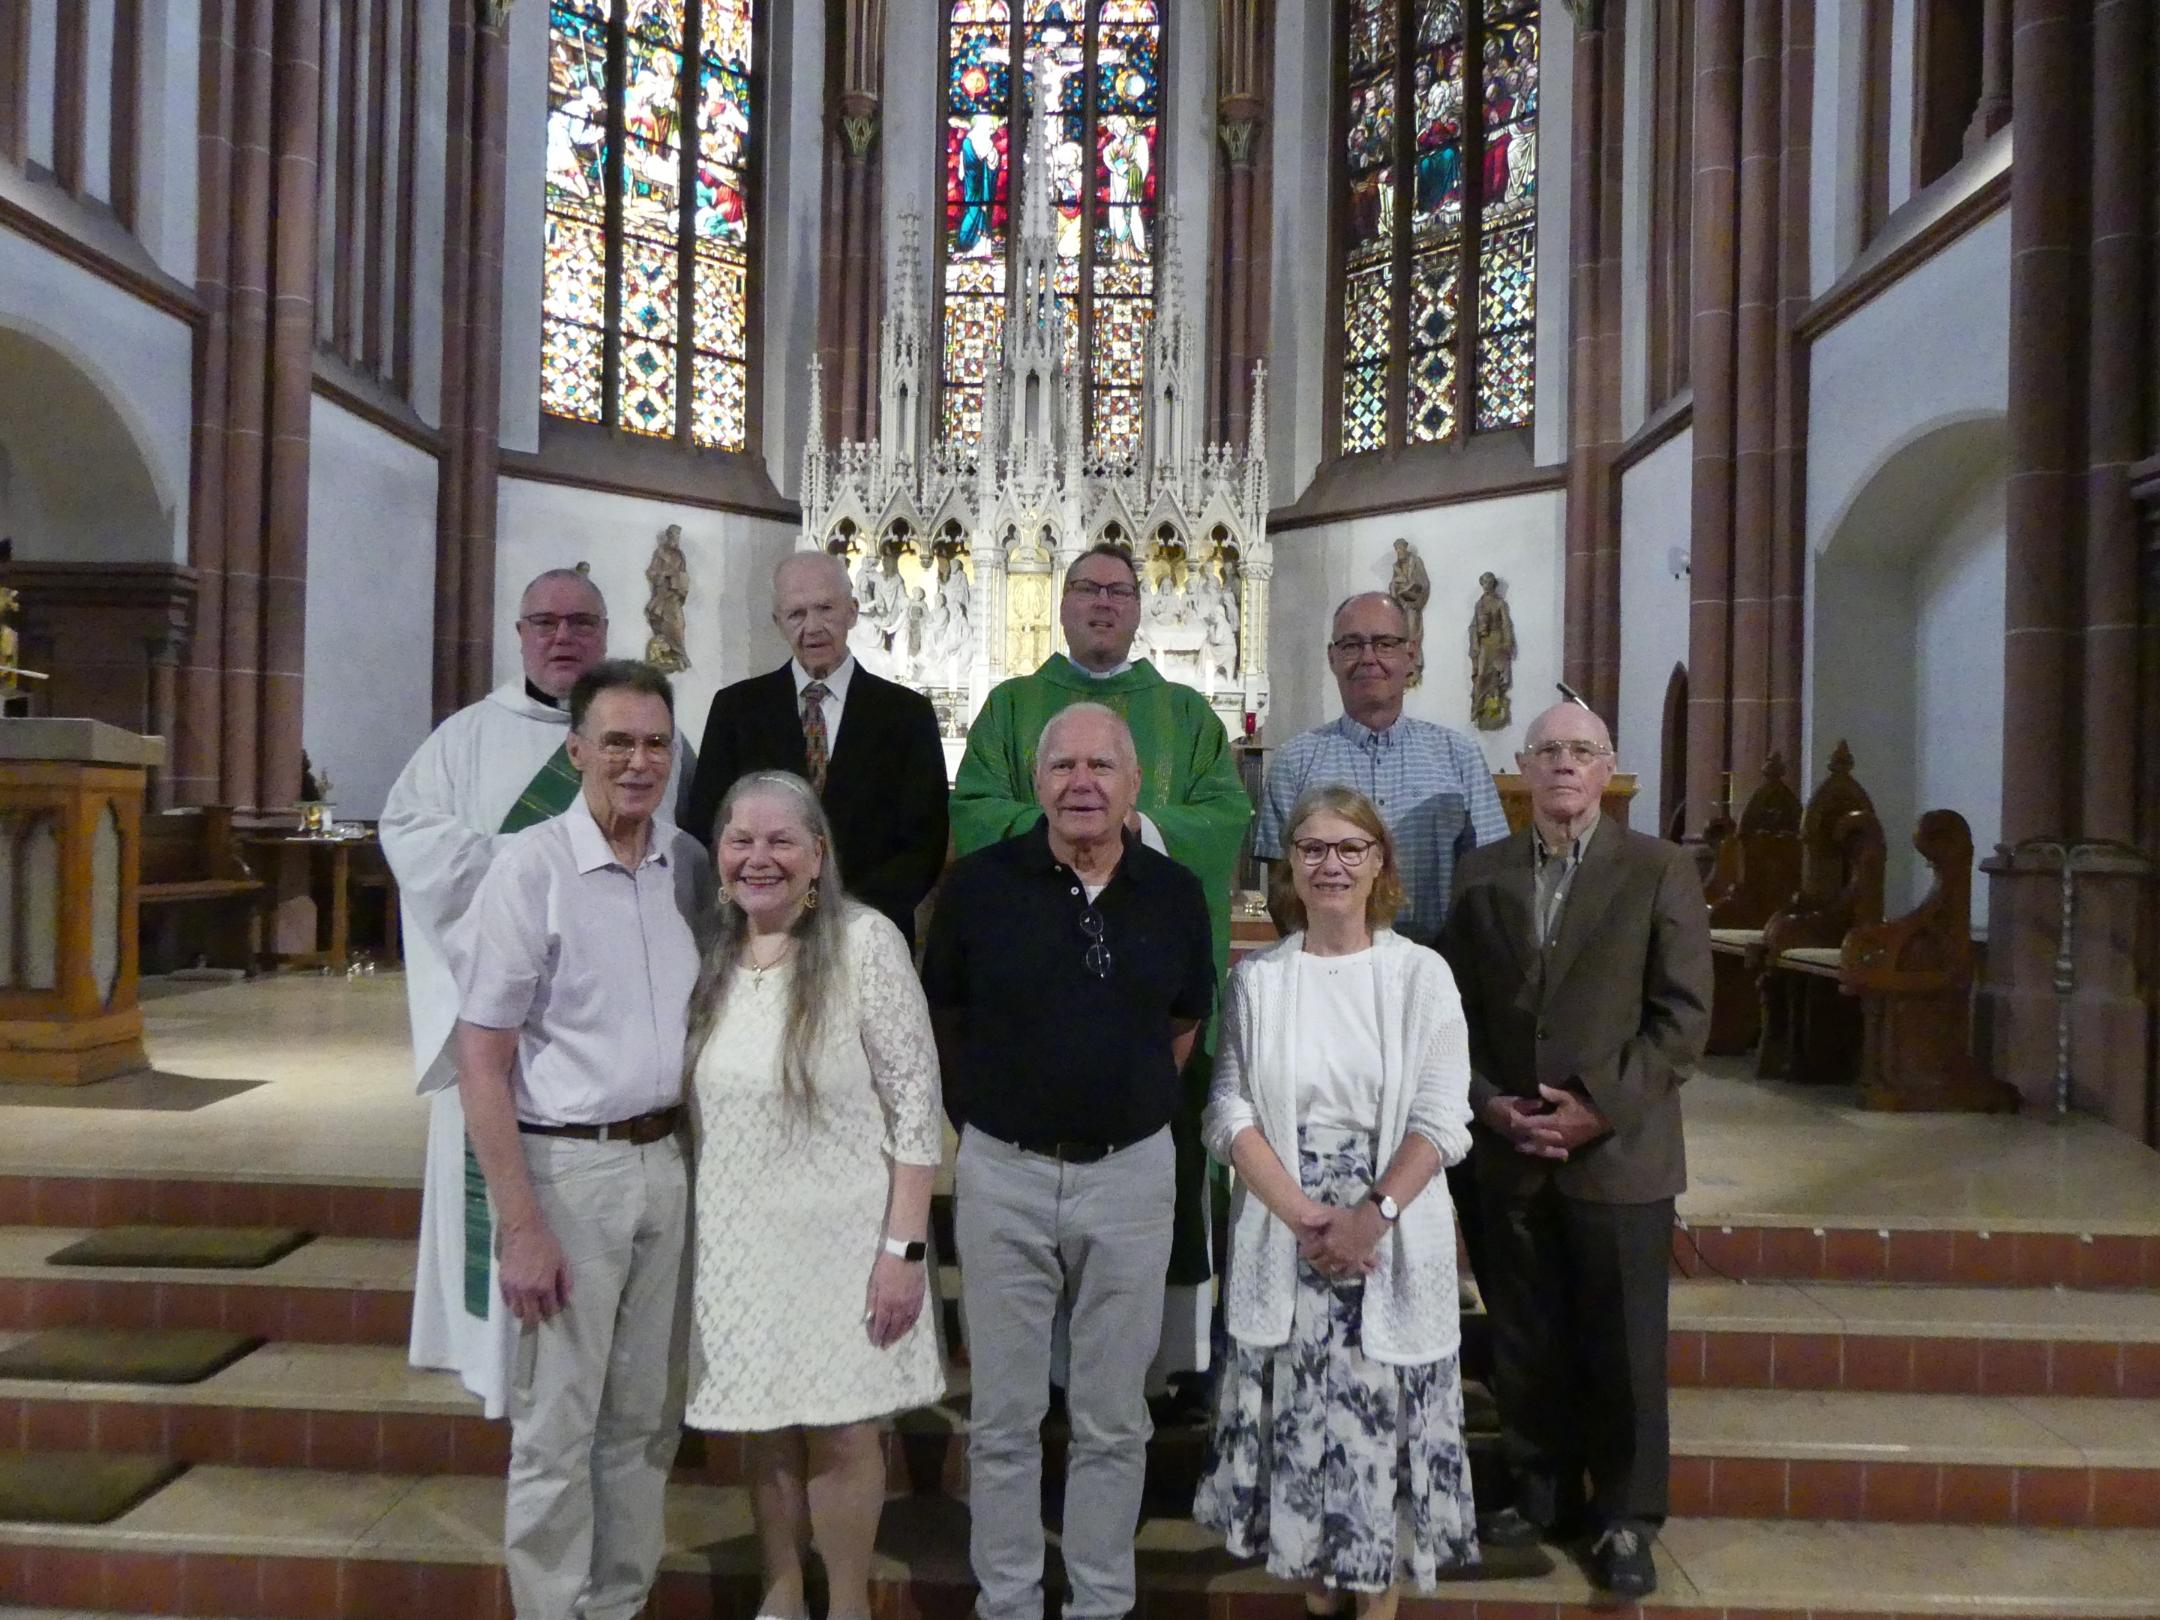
[(1068, 969)]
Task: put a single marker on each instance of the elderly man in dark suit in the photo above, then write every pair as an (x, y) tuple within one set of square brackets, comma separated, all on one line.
[(1583, 954), (868, 746)]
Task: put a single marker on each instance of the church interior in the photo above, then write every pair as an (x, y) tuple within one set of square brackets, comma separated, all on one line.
[(1714, 360)]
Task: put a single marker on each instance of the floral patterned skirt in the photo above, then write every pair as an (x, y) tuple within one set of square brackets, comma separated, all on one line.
[(1339, 1469)]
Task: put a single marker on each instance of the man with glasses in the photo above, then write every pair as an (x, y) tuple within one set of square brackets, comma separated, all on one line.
[(491, 769), (1430, 784), (1190, 804), (574, 1004), (1582, 951), (1068, 968)]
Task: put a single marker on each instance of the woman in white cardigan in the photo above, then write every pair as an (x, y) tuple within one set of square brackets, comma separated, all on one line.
[(1341, 1089)]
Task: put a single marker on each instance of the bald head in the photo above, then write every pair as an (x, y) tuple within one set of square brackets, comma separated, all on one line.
[(1566, 721), (814, 607), (559, 584), (1367, 604)]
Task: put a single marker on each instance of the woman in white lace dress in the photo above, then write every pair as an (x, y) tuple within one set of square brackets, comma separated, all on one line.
[(1341, 1088), (814, 1081)]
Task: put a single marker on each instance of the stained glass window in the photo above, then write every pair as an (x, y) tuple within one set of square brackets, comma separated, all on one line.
[(1438, 180), (645, 305), (1104, 104)]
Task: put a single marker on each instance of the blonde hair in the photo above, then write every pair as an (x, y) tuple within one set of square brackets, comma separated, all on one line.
[(1382, 901), (820, 932)]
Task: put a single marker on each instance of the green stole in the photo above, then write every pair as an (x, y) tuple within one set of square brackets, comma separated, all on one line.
[(546, 796)]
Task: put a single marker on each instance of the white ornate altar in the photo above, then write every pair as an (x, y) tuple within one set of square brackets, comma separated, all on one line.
[(956, 549)]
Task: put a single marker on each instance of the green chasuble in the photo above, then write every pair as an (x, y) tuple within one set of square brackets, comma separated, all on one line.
[(546, 796), (1190, 789)]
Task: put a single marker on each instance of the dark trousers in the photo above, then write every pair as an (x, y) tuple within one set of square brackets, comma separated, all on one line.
[(1577, 1296)]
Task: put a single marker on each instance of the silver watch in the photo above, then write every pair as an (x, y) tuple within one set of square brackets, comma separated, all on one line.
[(1390, 1211)]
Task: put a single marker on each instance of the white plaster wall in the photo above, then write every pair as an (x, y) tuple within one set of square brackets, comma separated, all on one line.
[(912, 130), (1519, 538), (97, 99), (1958, 674), (1862, 689), (368, 664), (38, 115), (1932, 350), (1654, 519), (1556, 103), (524, 227), (166, 132), (1635, 160), (140, 359), (1904, 24), (728, 618), (431, 118), (1834, 189)]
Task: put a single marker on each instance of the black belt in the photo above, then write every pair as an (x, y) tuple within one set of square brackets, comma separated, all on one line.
[(639, 1129), (1066, 1151)]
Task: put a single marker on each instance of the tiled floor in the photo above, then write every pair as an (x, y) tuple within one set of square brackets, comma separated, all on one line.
[(304, 1077)]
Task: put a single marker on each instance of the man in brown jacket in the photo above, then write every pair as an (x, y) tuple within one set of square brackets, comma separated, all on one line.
[(1582, 951)]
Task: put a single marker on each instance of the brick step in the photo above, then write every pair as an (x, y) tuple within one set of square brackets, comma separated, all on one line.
[(1852, 1250), (2031, 1460), (334, 1290), (330, 1209), (1936, 1341), (312, 1546)]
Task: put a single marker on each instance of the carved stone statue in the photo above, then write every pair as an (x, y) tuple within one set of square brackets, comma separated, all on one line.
[(1492, 658), (669, 576), (1410, 585)]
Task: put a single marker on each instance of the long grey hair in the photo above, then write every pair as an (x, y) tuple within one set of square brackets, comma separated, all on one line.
[(820, 933)]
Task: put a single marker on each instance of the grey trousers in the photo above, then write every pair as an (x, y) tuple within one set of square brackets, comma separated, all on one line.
[(596, 1394), (1032, 1230)]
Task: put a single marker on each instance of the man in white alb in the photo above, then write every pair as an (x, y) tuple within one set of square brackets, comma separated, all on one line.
[(490, 769)]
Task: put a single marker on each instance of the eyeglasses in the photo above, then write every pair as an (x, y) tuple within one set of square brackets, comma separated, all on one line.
[(546, 624), (1580, 750), (1116, 592), (1350, 851), (1355, 646), (1098, 956), (620, 747)]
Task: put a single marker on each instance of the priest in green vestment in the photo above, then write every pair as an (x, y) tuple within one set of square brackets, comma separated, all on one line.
[(1193, 805)]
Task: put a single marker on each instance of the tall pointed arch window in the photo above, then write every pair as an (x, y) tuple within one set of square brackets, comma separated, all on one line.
[(1437, 184), (1106, 59), (645, 317)]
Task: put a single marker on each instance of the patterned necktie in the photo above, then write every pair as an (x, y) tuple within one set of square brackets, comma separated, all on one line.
[(813, 730)]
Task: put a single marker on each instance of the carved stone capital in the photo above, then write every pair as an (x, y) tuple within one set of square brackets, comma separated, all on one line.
[(1588, 14), (858, 122), (1240, 138), (493, 13)]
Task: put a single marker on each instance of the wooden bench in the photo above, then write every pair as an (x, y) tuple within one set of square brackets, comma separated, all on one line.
[(1913, 978), (1810, 1030), (191, 863), (1755, 875)]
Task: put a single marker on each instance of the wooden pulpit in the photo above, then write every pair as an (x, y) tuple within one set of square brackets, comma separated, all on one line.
[(71, 796)]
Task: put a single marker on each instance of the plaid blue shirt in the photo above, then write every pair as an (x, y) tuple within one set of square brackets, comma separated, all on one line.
[(1433, 789)]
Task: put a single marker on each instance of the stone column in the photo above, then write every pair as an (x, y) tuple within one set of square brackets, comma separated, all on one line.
[(850, 286), (290, 396), (1713, 283), (1755, 391), (472, 355), (1788, 557), (1993, 110), (198, 725), (1239, 293)]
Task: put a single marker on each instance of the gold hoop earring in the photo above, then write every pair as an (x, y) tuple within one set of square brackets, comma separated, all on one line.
[(810, 900)]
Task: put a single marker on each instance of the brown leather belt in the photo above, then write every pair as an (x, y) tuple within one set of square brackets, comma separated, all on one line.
[(638, 1130)]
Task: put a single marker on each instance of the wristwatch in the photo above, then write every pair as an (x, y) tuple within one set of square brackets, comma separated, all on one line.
[(910, 1252), (1390, 1211)]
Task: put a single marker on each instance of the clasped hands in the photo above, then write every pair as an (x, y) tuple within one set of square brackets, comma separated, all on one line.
[(1338, 1240), (1560, 1121)]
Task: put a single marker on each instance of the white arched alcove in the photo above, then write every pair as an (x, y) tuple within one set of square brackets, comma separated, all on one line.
[(1906, 631), (81, 484)]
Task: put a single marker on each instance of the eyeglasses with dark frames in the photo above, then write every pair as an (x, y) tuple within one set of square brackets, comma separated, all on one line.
[(1098, 956), (1355, 646), (1350, 851), (1116, 590)]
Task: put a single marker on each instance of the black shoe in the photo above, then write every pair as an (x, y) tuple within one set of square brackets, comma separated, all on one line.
[(1510, 1527), (1620, 1560)]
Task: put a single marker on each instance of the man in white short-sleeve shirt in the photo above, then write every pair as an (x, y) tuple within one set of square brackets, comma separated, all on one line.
[(573, 1008)]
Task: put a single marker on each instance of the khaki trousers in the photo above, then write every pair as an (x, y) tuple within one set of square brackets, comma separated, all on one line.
[(596, 1396)]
